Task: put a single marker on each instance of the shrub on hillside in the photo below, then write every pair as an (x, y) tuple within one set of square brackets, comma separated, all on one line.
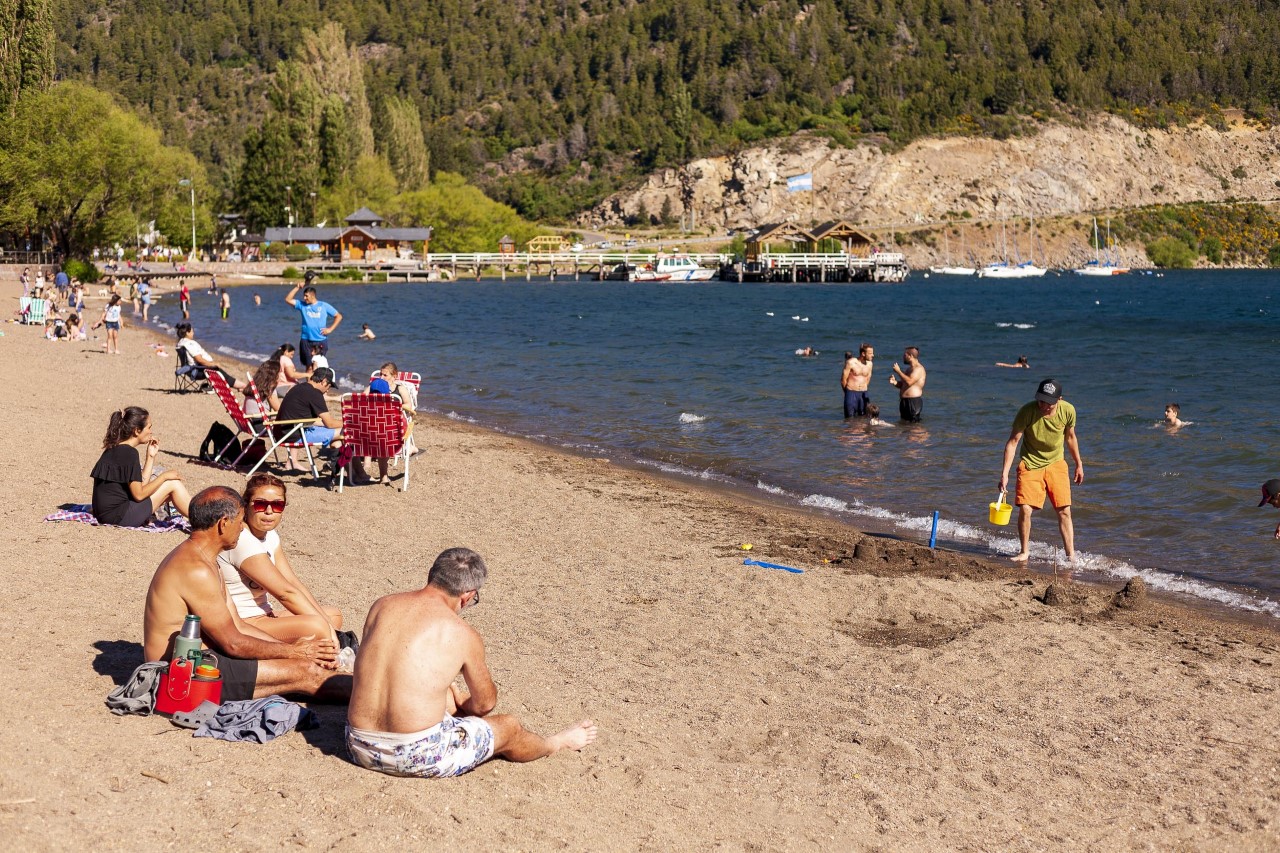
[(1171, 253), (291, 273)]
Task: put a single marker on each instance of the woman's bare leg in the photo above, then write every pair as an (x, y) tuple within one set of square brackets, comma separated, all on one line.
[(289, 628), (174, 492)]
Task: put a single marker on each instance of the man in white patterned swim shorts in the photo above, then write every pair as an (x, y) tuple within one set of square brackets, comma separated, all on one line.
[(403, 703)]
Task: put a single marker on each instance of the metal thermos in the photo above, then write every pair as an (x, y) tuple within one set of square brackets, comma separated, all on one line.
[(187, 643)]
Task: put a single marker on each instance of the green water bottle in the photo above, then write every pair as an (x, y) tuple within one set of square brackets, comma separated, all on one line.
[(187, 643)]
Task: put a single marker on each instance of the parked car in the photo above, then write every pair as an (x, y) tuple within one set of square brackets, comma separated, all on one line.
[(631, 243), (604, 244), (576, 247)]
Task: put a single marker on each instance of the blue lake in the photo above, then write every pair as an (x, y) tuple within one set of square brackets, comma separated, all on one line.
[(702, 379)]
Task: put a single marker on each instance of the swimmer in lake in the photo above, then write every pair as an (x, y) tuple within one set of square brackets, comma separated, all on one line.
[(1021, 362), (366, 334), (873, 413), (1171, 419), (806, 352)]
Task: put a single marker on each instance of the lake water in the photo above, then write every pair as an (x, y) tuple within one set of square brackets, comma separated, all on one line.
[(702, 380)]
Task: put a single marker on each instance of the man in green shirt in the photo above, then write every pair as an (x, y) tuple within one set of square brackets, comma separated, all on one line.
[(1044, 426)]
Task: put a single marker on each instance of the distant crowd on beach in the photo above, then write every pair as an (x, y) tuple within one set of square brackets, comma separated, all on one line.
[(262, 631)]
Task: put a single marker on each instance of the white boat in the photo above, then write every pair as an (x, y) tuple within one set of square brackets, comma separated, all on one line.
[(1097, 266), (1004, 269), (948, 269), (681, 268)]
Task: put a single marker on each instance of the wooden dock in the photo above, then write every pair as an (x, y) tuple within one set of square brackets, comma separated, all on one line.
[(793, 267)]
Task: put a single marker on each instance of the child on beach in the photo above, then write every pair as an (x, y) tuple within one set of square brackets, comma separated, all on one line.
[(111, 319), (75, 331)]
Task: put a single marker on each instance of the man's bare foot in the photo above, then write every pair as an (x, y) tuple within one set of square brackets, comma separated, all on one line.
[(574, 737), (1020, 558)]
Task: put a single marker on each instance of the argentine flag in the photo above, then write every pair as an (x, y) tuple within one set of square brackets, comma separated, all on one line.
[(799, 183)]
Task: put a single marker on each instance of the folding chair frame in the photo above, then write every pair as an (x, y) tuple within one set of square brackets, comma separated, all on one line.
[(353, 438)]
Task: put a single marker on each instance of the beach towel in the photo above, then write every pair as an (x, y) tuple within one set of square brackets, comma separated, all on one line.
[(257, 720), (83, 513)]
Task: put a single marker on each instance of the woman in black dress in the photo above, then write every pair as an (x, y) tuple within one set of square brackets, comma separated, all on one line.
[(124, 493)]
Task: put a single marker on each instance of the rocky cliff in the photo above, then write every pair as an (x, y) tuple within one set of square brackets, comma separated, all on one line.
[(1062, 171)]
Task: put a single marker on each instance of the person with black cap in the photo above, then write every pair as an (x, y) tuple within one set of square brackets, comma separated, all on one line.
[(1044, 426), (1271, 495)]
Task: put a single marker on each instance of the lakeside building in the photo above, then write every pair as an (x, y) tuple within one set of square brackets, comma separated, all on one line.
[(363, 237)]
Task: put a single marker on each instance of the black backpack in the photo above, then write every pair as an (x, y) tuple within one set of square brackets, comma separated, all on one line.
[(219, 437)]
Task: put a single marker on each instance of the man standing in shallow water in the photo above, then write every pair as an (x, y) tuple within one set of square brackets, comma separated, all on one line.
[(910, 385), (856, 379), (1044, 426), (402, 716)]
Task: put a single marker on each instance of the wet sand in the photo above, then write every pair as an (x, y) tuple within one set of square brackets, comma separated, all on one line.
[(888, 698)]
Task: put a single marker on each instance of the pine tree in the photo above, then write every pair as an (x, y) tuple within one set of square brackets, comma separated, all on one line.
[(403, 144)]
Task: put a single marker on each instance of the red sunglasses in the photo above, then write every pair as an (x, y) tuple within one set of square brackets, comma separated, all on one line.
[(262, 506)]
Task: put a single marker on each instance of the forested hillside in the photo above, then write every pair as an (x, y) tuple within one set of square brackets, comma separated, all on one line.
[(627, 86)]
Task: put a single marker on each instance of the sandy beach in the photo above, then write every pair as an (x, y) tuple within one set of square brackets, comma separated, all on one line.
[(890, 697)]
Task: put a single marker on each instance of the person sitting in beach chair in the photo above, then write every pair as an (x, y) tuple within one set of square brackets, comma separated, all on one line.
[(199, 357), (305, 401), (253, 664), (406, 717), (124, 492)]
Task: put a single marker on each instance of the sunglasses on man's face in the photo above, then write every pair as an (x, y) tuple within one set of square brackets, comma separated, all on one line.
[(263, 506), (475, 599)]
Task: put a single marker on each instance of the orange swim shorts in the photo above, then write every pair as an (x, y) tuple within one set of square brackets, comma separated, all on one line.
[(1033, 484)]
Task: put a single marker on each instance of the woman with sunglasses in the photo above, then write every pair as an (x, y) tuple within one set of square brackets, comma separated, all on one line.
[(258, 565)]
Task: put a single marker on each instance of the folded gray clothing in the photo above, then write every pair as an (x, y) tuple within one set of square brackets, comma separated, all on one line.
[(257, 720), (138, 694)]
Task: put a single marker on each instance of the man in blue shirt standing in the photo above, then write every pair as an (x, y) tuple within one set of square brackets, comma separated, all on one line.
[(315, 314), (62, 282)]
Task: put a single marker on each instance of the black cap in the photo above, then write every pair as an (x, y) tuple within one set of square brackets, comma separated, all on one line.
[(1049, 391), (309, 275), (1270, 489), (323, 374)]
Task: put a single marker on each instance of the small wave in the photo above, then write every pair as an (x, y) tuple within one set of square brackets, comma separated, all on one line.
[(454, 416), (825, 502), (348, 385), (1024, 325), (243, 355), (689, 418), (683, 470), (1003, 325), (771, 489)]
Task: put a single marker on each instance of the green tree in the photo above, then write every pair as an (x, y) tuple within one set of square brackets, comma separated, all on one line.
[(403, 144), (464, 218), (26, 48), (1273, 256), (1211, 248), (74, 162)]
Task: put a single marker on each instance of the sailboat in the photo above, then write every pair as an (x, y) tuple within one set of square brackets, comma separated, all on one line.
[(1096, 266), (1004, 269), (948, 269)]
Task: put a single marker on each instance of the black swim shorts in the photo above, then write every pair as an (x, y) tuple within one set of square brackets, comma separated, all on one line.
[(910, 409), (239, 676)]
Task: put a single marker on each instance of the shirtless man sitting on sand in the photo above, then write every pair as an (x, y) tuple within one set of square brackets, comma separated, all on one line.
[(401, 720), (252, 663)]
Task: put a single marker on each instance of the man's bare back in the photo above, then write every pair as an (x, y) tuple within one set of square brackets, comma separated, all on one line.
[(414, 647)]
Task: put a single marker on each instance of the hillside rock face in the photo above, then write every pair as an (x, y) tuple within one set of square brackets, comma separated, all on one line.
[(1061, 171)]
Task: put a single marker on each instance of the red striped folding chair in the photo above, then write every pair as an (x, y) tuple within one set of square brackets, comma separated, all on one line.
[(414, 379), (373, 425), (244, 426)]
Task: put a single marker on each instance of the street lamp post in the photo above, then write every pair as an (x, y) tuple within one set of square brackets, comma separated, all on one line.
[(288, 209), (190, 182), (313, 209)]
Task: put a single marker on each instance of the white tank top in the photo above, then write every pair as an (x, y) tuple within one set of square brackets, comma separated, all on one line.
[(249, 598)]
